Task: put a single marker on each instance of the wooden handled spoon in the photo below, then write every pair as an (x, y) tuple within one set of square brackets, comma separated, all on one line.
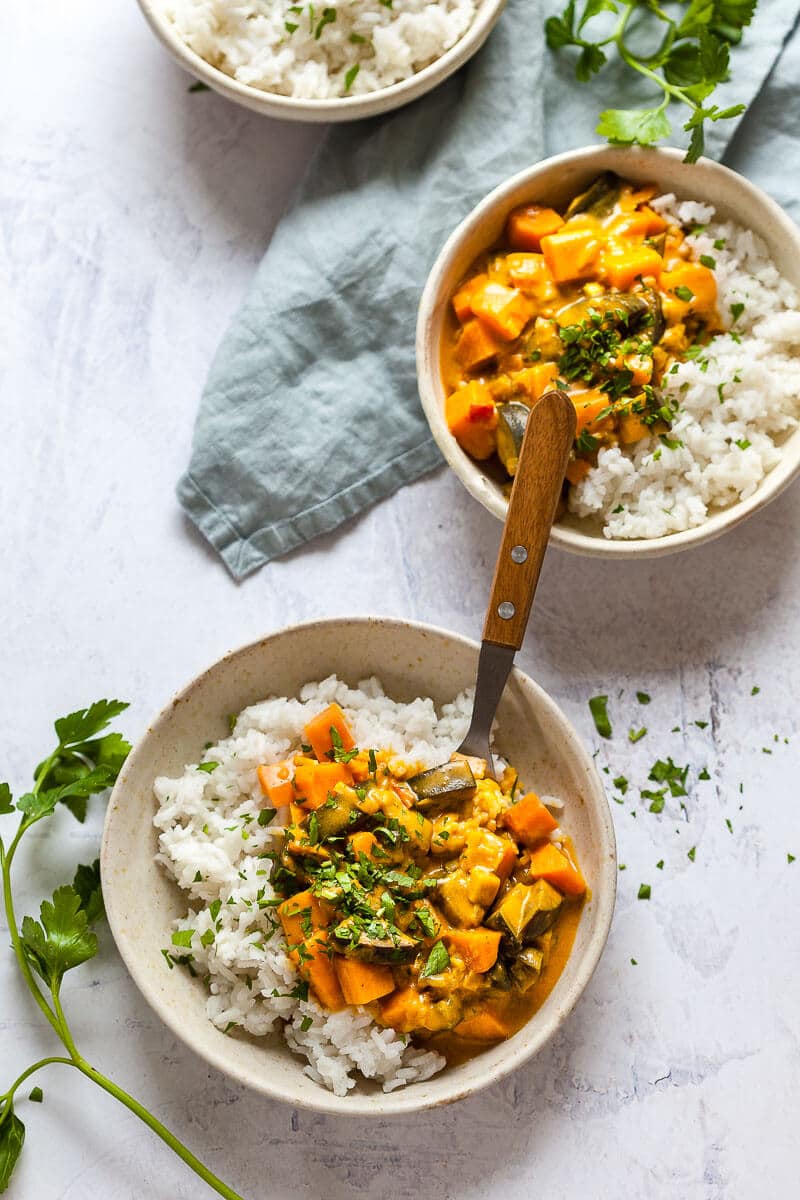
[(531, 510)]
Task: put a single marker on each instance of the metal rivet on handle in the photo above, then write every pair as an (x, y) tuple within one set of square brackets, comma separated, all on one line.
[(518, 554), (506, 610)]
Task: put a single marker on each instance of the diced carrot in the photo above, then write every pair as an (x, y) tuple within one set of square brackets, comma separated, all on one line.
[(530, 273), (550, 863), (529, 820), (363, 982), (622, 267), (471, 417), (571, 254), (318, 732), (315, 964), (485, 1026), (504, 311), (315, 782), (301, 914), (276, 782), (538, 379), (477, 345), (477, 947), (362, 843), (528, 224), (462, 301), (577, 469), (588, 407), (700, 294)]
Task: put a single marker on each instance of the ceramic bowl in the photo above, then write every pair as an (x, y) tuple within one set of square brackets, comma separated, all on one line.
[(411, 660), (345, 108), (554, 182)]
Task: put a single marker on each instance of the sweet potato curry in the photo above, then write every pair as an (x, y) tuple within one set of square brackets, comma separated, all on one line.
[(600, 302), (442, 900)]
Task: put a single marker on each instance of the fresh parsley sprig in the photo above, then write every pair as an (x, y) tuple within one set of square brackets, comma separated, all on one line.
[(691, 42), (85, 762)]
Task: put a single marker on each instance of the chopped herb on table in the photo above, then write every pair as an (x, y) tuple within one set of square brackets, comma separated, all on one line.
[(599, 710), (86, 761), (644, 891), (636, 735), (682, 50)]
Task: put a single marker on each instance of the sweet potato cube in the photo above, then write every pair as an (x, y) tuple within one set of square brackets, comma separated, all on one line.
[(276, 782), (504, 311), (471, 417), (588, 407), (551, 864), (318, 732), (315, 782), (462, 301), (531, 274), (571, 254), (315, 964), (477, 947), (363, 982), (537, 380), (623, 267), (529, 820), (484, 1026), (301, 914), (477, 345), (528, 224)]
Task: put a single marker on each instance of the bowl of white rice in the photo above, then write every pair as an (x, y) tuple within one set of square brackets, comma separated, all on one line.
[(337, 61), (182, 848), (735, 441)]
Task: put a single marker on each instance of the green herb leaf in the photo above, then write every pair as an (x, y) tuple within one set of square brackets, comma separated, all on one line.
[(643, 697), (62, 940), (266, 815), (621, 783), (684, 293), (691, 853), (426, 920), (36, 1095), (636, 735), (12, 1137), (598, 709), (6, 800), (736, 311), (182, 937), (350, 76), (625, 126), (644, 891), (86, 723), (438, 961), (208, 767), (89, 889)]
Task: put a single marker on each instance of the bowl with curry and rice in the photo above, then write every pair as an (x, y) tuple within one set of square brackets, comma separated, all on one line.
[(663, 297), (341, 913)]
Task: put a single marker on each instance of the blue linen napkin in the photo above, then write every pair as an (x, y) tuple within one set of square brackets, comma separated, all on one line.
[(310, 412)]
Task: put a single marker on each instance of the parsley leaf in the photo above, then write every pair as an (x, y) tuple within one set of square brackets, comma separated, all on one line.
[(438, 961), (88, 722), (62, 940), (644, 891), (87, 885), (12, 1137), (208, 767), (6, 801)]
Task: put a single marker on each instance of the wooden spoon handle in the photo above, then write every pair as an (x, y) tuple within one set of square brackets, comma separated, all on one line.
[(531, 510)]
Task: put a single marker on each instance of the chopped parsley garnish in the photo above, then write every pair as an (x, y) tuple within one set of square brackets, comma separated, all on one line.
[(643, 697), (703, 773), (684, 293), (691, 853), (328, 16), (338, 753), (426, 920), (438, 961), (670, 773), (350, 76), (708, 261), (636, 735), (743, 443), (621, 783), (790, 858), (754, 691), (599, 711), (644, 891), (737, 310), (306, 1024), (182, 937), (660, 864), (208, 767)]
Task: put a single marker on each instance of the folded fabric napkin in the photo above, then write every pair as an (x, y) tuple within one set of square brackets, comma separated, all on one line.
[(310, 413)]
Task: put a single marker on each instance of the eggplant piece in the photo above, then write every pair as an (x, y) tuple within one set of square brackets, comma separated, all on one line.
[(599, 198), (526, 911), (453, 896), (512, 419), (338, 814), (500, 978), (527, 968), (441, 787), (375, 941), (638, 313), (658, 243)]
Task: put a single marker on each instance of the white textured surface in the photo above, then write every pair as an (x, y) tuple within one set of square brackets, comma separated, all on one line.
[(133, 215)]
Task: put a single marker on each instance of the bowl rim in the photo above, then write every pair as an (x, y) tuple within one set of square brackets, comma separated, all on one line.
[(338, 108), (402, 1099), (431, 392)]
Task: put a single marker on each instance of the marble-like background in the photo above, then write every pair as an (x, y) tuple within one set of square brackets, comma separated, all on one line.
[(133, 215)]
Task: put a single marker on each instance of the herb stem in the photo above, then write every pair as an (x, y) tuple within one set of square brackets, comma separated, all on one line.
[(160, 1130), (6, 858), (37, 1066)]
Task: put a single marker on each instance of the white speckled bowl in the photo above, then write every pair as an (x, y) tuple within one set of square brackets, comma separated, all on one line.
[(411, 660), (345, 108), (555, 181)]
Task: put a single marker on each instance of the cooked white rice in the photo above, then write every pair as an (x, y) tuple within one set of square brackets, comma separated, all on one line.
[(735, 400), (210, 842), (319, 51)]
